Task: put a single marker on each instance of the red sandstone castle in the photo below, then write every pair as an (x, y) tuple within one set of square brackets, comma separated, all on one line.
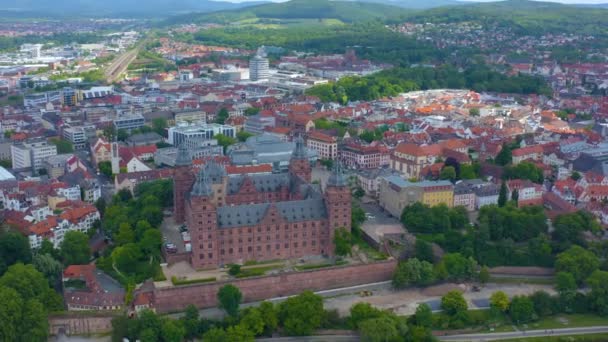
[(233, 219)]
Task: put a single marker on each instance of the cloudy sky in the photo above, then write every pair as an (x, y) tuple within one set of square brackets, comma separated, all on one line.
[(562, 1)]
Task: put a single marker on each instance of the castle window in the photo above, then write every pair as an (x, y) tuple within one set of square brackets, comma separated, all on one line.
[(222, 252), (267, 247), (210, 255), (259, 248), (287, 245), (201, 256), (277, 246), (230, 251), (249, 249), (210, 245)]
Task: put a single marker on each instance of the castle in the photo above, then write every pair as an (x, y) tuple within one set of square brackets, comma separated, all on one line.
[(233, 219)]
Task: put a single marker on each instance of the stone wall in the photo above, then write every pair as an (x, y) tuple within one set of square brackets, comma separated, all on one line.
[(176, 298), (80, 324)]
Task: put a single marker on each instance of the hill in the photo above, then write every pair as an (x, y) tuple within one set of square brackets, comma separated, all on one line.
[(528, 17), (417, 4), (97, 8), (345, 11)]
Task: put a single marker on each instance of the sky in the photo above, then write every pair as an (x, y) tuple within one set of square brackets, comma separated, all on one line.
[(562, 1)]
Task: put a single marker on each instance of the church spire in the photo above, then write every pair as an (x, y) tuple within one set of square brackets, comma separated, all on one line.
[(183, 156), (337, 177)]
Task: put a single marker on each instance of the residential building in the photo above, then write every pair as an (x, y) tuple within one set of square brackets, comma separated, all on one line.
[(53, 228), (464, 195), (87, 288), (32, 154), (325, 145), (358, 156), (397, 193), (369, 179), (56, 165), (410, 159), (486, 194), (528, 192), (257, 124), (198, 132), (533, 152)]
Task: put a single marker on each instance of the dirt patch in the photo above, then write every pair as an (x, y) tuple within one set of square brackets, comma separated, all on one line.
[(440, 290)]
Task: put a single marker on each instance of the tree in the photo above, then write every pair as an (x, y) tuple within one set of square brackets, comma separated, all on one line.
[(379, 329), (239, 333), (521, 310), (484, 275), (361, 312), (342, 242), (598, 297), (302, 314), (251, 111), (543, 303), (569, 228), (150, 242), (10, 314), (222, 115), (423, 316), (453, 303), (234, 269), (515, 196), (105, 168), (270, 315), (242, 136), (467, 172), (190, 322), (122, 134), (252, 320), (577, 261), (126, 257), (224, 141), (575, 176), (125, 234), (172, 331), (49, 267), (459, 267), (75, 248), (505, 156), (14, 248), (502, 195), (474, 111), (499, 301), (229, 298), (31, 284), (215, 335), (159, 125), (565, 285), (448, 173), (424, 251), (413, 272)]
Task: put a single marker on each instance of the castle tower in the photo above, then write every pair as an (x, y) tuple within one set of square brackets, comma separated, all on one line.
[(338, 203), (182, 182), (201, 218), (299, 165)]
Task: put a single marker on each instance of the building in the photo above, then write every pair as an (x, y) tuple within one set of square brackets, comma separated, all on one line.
[(369, 179), (409, 159), (325, 145), (185, 75), (69, 96), (257, 124), (32, 154), (358, 156), (397, 193), (486, 194), (194, 133), (534, 152), (234, 219), (129, 122), (54, 228), (87, 288), (528, 192), (79, 135), (56, 165), (168, 155), (259, 68), (464, 195)]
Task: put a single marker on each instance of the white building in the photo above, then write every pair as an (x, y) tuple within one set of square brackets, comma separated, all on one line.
[(198, 132), (259, 68), (32, 154)]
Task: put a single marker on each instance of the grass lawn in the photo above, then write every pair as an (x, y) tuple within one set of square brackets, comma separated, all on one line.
[(371, 252), (569, 338), (255, 271), (524, 280), (568, 321)]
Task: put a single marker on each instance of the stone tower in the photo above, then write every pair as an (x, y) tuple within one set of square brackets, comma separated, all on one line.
[(299, 165), (201, 218), (183, 180), (338, 203)]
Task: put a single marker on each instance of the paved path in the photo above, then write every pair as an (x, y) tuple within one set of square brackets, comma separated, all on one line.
[(525, 334)]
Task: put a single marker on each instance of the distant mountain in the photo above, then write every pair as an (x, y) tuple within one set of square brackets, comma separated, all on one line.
[(523, 15), (417, 4), (132, 8), (346, 11)]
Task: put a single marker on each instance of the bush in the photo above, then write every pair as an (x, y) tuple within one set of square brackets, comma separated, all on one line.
[(178, 282)]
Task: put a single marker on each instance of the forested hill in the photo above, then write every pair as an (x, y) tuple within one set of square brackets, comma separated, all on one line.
[(528, 17), (345, 11)]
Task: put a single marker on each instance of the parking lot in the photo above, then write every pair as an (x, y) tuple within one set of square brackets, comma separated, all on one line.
[(171, 234), (379, 222)]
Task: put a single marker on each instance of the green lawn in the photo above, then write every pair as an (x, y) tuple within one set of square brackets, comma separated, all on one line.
[(524, 280), (568, 321)]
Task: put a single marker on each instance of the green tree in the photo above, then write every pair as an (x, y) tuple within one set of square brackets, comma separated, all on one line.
[(253, 321), (31, 284), (150, 242), (302, 314), (448, 173), (122, 134), (270, 315), (505, 156), (543, 303), (14, 248), (424, 251), (453, 303), (361, 312), (126, 257), (484, 275), (222, 116), (239, 333), (575, 176), (515, 196), (598, 297), (10, 314), (459, 267), (159, 125), (467, 172), (75, 248), (565, 285), (49, 267), (342, 242), (105, 168), (423, 316), (502, 195), (379, 329), (577, 261), (190, 321), (569, 228), (172, 331), (216, 335), (229, 298), (251, 111), (499, 301), (521, 310), (242, 136), (224, 141), (474, 111), (413, 272), (125, 234)]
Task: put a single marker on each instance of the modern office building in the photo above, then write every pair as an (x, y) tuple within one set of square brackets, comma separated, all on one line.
[(79, 135), (69, 96), (32, 154), (259, 68), (129, 122), (195, 133)]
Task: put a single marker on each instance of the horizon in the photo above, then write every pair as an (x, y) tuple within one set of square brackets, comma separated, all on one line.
[(568, 2)]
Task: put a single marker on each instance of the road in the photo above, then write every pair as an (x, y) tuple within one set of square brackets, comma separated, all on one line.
[(525, 334)]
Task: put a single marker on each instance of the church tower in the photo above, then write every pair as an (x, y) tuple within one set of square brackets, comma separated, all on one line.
[(182, 182), (299, 164), (338, 203), (201, 218)]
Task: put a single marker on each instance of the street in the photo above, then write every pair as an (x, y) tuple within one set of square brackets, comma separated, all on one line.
[(525, 334)]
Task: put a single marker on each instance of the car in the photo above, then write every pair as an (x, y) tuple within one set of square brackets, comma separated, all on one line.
[(171, 248)]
